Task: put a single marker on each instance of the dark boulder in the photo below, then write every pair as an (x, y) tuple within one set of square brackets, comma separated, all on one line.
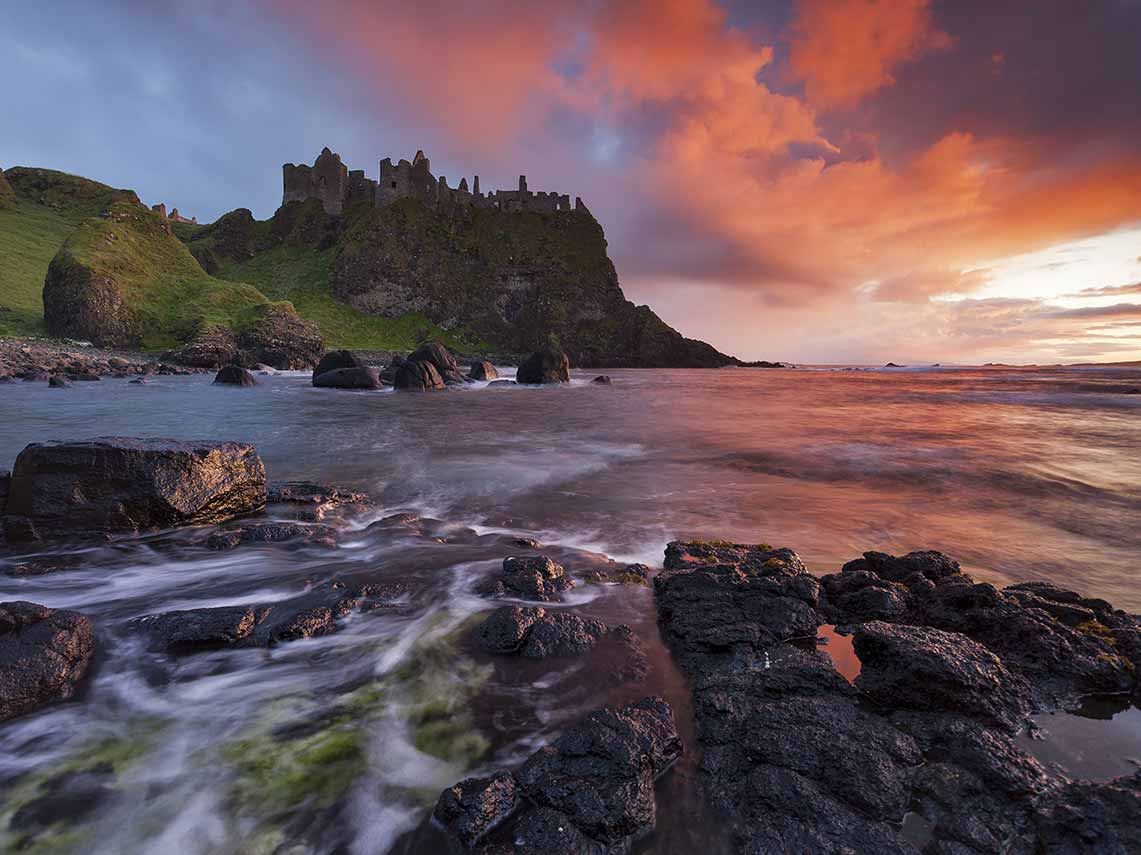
[(58, 382), (44, 653), (600, 773), (1087, 817), (388, 375), (235, 375), (295, 534), (860, 595), (542, 831), (506, 629), (483, 371), (118, 484), (418, 376), (212, 347), (534, 577), (537, 633), (335, 359), (544, 366), (473, 807), (439, 356), (5, 488), (928, 669), (349, 378), (602, 380)]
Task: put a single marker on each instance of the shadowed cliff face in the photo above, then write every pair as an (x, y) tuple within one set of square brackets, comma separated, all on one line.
[(514, 280)]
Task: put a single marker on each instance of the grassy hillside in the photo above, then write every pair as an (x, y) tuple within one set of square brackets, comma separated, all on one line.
[(167, 295), (46, 208), (301, 276)]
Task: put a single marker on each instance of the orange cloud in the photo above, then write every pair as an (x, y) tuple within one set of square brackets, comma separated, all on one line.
[(844, 49)]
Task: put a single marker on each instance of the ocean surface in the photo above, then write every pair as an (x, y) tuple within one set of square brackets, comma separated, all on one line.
[(1018, 473)]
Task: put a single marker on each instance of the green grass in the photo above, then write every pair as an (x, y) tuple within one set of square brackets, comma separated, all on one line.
[(168, 292), (30, 235), (301, 276)]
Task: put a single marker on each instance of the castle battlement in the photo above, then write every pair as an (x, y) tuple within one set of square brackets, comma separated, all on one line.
[(338, 187)]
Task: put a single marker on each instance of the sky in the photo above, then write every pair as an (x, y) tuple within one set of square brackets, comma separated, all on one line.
[(828, 181)]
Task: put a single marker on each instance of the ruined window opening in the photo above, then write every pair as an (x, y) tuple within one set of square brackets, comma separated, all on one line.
[(393, 185)]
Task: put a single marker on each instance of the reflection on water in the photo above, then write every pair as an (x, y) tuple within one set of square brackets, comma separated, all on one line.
[(1102, 740), (840, 650), (1018, 474)]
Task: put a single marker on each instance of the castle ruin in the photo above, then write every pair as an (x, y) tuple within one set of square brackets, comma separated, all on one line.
[(173, 216), (338, 187)]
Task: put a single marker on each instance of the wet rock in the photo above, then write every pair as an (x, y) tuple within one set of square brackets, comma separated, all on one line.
[(5, 487), (117, 484), (418, 376), (336, 359), (195, 629), (860, 595), (44, 653), (57, 382), (929, 669), (1092, 817), (295, 534), (235, 375), (315, 499), (40, 565), (349, 378), (439, 357), (929, 563), (388, 375), (506, 629), (473, 807), (36, 377), (603, 380), (544, 366), (502, 383), (138, 381), (535, 577), (712, 608), (600, 773), (483, 371), (542, 831)]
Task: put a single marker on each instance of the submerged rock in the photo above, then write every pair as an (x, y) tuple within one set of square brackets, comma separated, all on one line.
[(275, 532), (44, 653), (57, 382), (362, 377), (183, 631), (235, 375), (544, 366), (120, 484), (483, 371), (603, 380)]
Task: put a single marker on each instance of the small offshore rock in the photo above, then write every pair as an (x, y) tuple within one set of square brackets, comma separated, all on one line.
[(544, 366), (57, 382), (362, 377), (234, 375), (535, 577), (44, 653), (276, 532), (602, 380), (336, 359), (418, 376), (483, 371)]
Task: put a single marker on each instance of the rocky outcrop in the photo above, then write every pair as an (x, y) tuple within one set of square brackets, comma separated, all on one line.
[(800, 760), (282, 339), (363, 377), (83, 302), (418, 376), (544, 366), (121, 484), (235, 375), (7, 194), (535, 578), (440, 358), (483, 371), (213, 346), (591, 791), (44, 653)]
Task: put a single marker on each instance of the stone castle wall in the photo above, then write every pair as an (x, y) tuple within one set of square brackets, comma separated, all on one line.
[(331, 181)]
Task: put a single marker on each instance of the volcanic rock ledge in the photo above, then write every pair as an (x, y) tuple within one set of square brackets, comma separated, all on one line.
[(800, 760)]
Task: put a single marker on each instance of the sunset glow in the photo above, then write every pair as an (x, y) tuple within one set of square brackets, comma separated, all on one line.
[(822, 180)]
